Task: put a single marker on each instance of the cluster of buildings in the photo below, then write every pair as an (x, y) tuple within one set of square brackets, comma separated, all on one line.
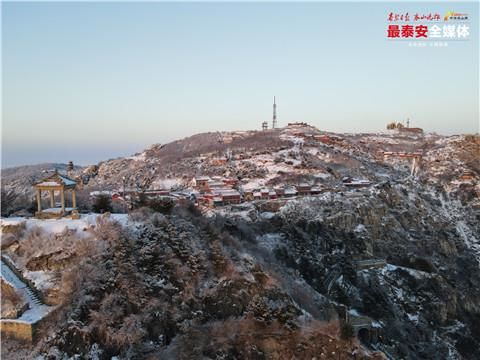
[(415, 157), (401, 154), (411, 130), (218, 191), (282, 192), (323, 138), (467, 175), (215, 192)]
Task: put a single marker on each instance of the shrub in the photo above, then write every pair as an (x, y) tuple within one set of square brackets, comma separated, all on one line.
[(7, 240), (163, 205), (141, 214), (158, 220), (37, 242), (16, 229), (11, 299), (12, 201), (118, 208), (140, 200), (84, 200), (346, 331), (103, 203), (108, 230), (8, 198)]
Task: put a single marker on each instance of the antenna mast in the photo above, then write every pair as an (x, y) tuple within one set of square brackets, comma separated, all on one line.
[(274, 121)]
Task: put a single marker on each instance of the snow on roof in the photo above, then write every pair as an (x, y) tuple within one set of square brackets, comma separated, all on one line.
[(57, 180), (67, 181), (48, 183), (229, 192), (221, 189), (216, 184)]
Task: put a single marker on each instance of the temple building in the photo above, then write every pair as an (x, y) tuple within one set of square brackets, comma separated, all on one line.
[(56, 183)]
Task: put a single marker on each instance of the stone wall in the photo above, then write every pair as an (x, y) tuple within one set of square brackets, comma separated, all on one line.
[(17, 329), (22, 330)]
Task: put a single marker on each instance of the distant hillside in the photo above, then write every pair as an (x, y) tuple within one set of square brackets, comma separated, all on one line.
[(288, 155), (20, 178)]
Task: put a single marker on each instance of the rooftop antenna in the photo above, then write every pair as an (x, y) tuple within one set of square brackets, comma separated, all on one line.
[(274, 121)]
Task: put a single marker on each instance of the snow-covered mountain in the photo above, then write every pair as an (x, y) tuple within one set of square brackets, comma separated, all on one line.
[(389, 244)]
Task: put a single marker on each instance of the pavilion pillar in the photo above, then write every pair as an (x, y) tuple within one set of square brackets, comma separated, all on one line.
[(62, 199), (52, 199), (74, 199), (39, 200)]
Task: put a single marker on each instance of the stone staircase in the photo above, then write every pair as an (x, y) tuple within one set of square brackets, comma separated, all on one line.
[(24, 326)]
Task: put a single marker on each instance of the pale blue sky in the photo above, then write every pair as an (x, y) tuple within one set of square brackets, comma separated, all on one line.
[(91, 81)]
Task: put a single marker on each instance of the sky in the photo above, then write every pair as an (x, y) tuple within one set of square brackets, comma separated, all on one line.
[(91, 81)]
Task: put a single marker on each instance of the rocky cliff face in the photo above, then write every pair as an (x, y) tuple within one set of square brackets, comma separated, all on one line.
[(426, 295), (397, 263)]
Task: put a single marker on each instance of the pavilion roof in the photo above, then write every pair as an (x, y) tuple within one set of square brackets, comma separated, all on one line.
[(56, 180)]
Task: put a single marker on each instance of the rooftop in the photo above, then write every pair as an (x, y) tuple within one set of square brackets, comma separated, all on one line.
[(56, 180)]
